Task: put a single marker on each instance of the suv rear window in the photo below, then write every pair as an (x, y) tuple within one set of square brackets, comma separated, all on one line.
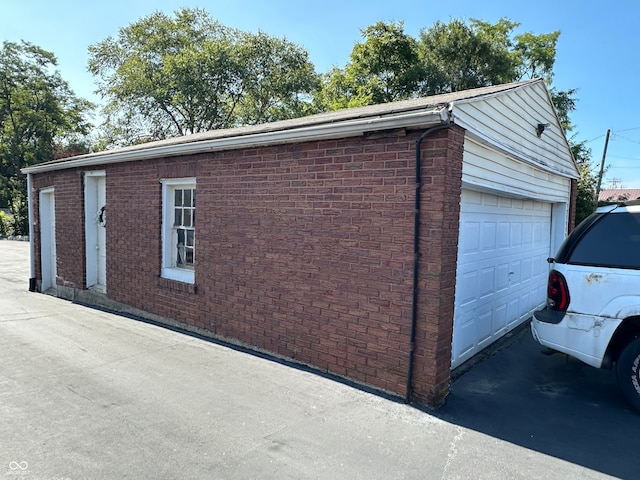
[(613, 241)]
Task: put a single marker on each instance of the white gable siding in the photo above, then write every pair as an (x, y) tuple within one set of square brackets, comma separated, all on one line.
[(487, 169), (507, 121)]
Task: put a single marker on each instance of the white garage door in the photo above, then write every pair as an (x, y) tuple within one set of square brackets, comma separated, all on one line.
[(502, 268)]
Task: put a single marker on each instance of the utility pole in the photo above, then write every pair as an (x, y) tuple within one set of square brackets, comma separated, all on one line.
[(604, 155)]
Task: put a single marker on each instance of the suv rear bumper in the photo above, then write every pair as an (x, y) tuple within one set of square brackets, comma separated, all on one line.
[(584, 337), (549, 316)]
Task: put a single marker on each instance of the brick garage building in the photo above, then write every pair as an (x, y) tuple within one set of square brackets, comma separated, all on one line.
[(382, 244)]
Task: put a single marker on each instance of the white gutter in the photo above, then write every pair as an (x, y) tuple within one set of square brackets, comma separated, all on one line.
[(419, 119)]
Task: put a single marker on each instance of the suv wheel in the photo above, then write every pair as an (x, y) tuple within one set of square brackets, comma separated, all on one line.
[(628, 372)]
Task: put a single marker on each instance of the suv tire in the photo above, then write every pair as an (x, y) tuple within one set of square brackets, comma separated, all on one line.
[(628, 372)]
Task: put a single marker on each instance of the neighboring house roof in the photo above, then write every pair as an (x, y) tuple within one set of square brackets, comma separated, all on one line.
[(418, 113), (618, 194)]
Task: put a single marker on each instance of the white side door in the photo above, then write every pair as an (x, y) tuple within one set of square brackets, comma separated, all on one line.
[(95, 200), (48, 239)]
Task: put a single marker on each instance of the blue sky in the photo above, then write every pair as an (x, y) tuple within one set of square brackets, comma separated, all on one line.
[(598, 50)]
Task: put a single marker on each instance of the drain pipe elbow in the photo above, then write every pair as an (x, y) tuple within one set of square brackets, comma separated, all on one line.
[(416, 257)]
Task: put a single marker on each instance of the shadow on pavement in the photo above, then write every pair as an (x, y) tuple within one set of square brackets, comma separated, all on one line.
[(552, 404)]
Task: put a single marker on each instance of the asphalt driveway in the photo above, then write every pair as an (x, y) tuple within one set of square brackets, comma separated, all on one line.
[(86, 394)]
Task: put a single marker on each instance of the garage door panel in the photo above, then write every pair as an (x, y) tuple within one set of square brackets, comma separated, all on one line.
[(466, 343), (483, 326), (468, 282), (489, 236), (527, 234), (472, 232), (506, 242), (499, 319), (540, 266), (504, 235), (526, 268), (513, 310), (541, 233), (525, 302), (502, 277), (487, 281), (516, 234)]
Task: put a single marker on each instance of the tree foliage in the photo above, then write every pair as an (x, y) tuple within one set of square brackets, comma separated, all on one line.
[(459, 56), (383, 68), (39, 118), (391, 65), (165, 76), (585, 200)]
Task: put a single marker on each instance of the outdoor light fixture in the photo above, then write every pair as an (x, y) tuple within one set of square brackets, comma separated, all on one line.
[(540, 128)]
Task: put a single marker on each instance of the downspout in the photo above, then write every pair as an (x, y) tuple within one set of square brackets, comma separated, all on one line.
[(32, 261), (416, 256)]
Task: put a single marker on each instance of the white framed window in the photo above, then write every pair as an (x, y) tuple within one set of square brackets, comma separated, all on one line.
[(178, 229)]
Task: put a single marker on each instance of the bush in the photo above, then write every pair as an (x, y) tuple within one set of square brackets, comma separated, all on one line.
[(6, 221)]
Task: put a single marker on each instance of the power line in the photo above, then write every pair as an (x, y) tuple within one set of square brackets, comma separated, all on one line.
[(625, 138), (631, 159), (615, 133)]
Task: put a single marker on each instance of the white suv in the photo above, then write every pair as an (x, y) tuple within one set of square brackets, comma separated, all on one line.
[(593, 296)]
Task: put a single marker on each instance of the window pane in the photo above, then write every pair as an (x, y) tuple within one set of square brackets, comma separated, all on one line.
[(613, 242), (180, 254), (181, 245)]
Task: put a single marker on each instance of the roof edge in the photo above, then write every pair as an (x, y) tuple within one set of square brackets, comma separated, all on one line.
[(347, 128)]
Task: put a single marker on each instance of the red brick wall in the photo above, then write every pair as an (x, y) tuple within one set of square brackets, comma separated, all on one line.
[(439, 227), (134, 206), (69, 212), (308, 253), (39, 182), (302, 250)]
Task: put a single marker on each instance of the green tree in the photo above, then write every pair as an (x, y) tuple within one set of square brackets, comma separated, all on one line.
[(384, 67), (459, 55), (537, 55), (166, 76), (587, 182), (4, 229), (39, 118), (565, 103), (390, 65), (277, 79)]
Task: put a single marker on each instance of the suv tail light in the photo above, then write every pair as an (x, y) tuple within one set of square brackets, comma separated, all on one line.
[(557, 292)]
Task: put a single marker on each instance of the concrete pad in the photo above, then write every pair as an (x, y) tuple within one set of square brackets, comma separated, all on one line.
[(89, 394)]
